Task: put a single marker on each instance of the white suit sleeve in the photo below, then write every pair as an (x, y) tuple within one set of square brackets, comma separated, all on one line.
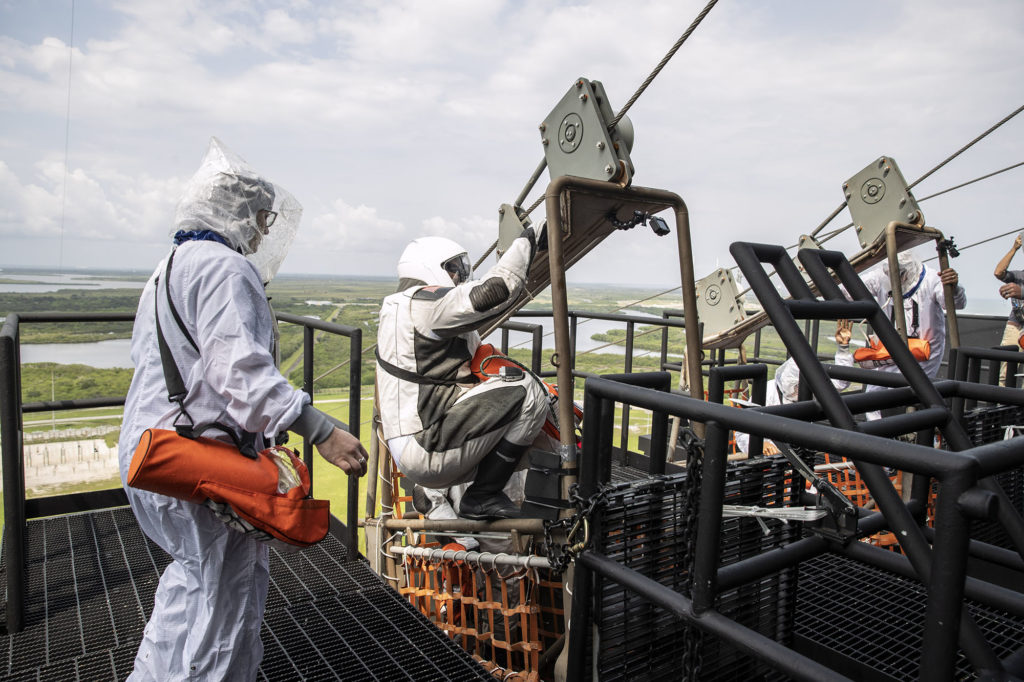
[(463, 308), (844, 358), (234, 330), (959, 297)]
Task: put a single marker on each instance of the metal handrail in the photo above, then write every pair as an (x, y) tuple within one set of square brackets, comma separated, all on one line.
[(959, 474), (17, 509)]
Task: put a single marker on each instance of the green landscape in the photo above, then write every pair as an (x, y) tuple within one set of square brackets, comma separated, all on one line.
[(353, 302)]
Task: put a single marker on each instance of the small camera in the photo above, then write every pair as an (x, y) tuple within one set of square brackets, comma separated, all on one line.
[(659, 225)]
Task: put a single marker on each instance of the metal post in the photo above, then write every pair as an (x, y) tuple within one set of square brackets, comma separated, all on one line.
[(14, 500), (537, 349), (949, 293), (693, 336), (560, 322), (307, 386), (624, 424), (891, 250), (709, 519), (945, 614), (355, 379)]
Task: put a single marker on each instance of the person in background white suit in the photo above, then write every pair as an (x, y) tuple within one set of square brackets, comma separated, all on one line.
[(924, 307), (784, 388)]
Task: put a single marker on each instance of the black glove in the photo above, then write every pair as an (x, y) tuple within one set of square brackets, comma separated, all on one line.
[(529, 235), (542, 238)]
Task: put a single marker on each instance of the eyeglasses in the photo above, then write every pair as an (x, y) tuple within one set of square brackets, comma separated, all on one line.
[(265, 219)]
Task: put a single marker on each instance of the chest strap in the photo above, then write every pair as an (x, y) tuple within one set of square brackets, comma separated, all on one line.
[(413, 377)]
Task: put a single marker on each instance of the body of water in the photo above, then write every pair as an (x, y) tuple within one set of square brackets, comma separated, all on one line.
[(102, 354), (584, 330), (116, 353), (41, 284)]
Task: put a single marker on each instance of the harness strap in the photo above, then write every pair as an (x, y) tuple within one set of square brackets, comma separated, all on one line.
[(413, 377)]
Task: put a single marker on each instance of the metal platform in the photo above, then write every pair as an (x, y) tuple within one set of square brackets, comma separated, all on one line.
[(871, 619), (92, 578)]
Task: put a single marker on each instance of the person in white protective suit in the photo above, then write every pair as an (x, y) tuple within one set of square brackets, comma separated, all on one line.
[(784, 388), (232, 230), (924, 307), (442, 425)]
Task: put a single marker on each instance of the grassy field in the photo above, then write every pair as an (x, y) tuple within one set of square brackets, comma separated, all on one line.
[(351, 302)]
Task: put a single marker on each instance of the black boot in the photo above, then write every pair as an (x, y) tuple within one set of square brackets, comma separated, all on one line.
[(484, 500), (419, 500)]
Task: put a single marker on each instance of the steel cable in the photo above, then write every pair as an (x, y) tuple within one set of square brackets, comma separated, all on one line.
[(629, 103), (929, 173)]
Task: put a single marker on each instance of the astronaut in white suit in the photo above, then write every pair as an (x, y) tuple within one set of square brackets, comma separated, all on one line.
[(444, 426)]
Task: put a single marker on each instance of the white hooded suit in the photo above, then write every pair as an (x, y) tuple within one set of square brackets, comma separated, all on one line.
[(209, 604)]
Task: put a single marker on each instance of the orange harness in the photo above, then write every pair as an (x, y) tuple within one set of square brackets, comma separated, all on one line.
[(876, 355), (486, 363)]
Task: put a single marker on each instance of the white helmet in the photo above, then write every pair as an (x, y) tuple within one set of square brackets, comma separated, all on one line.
[(434, 261), (910, 270)]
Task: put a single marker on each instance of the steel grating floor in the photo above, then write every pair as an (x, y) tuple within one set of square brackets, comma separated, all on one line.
[(874, 617), (91, 583)]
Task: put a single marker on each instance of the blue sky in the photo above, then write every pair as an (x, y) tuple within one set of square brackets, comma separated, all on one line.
[(390, 120)]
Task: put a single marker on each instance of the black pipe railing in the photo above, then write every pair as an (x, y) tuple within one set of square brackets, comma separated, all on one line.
[(630, 320), (355, 368), (18, 509), (957, 472)]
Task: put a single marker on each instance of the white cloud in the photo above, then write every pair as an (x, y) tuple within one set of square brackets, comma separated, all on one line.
[(84, 205), (425, 114), (281, 28), (352, 229)]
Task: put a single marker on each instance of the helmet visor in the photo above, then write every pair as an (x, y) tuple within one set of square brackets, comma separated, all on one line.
[(458, 268)]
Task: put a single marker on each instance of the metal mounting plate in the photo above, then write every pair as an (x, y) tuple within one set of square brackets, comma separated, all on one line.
[(576, 138), (719, 305), (877, 196), (510, 226)]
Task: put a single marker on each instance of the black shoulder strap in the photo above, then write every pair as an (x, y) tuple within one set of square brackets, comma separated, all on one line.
[(170, 303), (176, 390)]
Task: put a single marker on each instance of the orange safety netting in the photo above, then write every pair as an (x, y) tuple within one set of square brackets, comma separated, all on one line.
[(504, 619), (849, 482)]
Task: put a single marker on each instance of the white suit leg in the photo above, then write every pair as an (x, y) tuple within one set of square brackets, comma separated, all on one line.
[(209, 605)]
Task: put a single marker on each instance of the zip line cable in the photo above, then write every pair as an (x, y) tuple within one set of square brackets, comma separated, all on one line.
[(842, 229), (828, 236), (661, 65), (949, 158), (968, 146), (67, 137), (983, 241), (835, 233), (971, 182), (614, 122)]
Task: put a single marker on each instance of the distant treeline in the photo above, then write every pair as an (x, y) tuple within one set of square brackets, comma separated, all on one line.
[(47, 380), (349, 302)]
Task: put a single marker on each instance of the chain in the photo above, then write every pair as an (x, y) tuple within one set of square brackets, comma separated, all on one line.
[(562, 554), (692, 638)]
